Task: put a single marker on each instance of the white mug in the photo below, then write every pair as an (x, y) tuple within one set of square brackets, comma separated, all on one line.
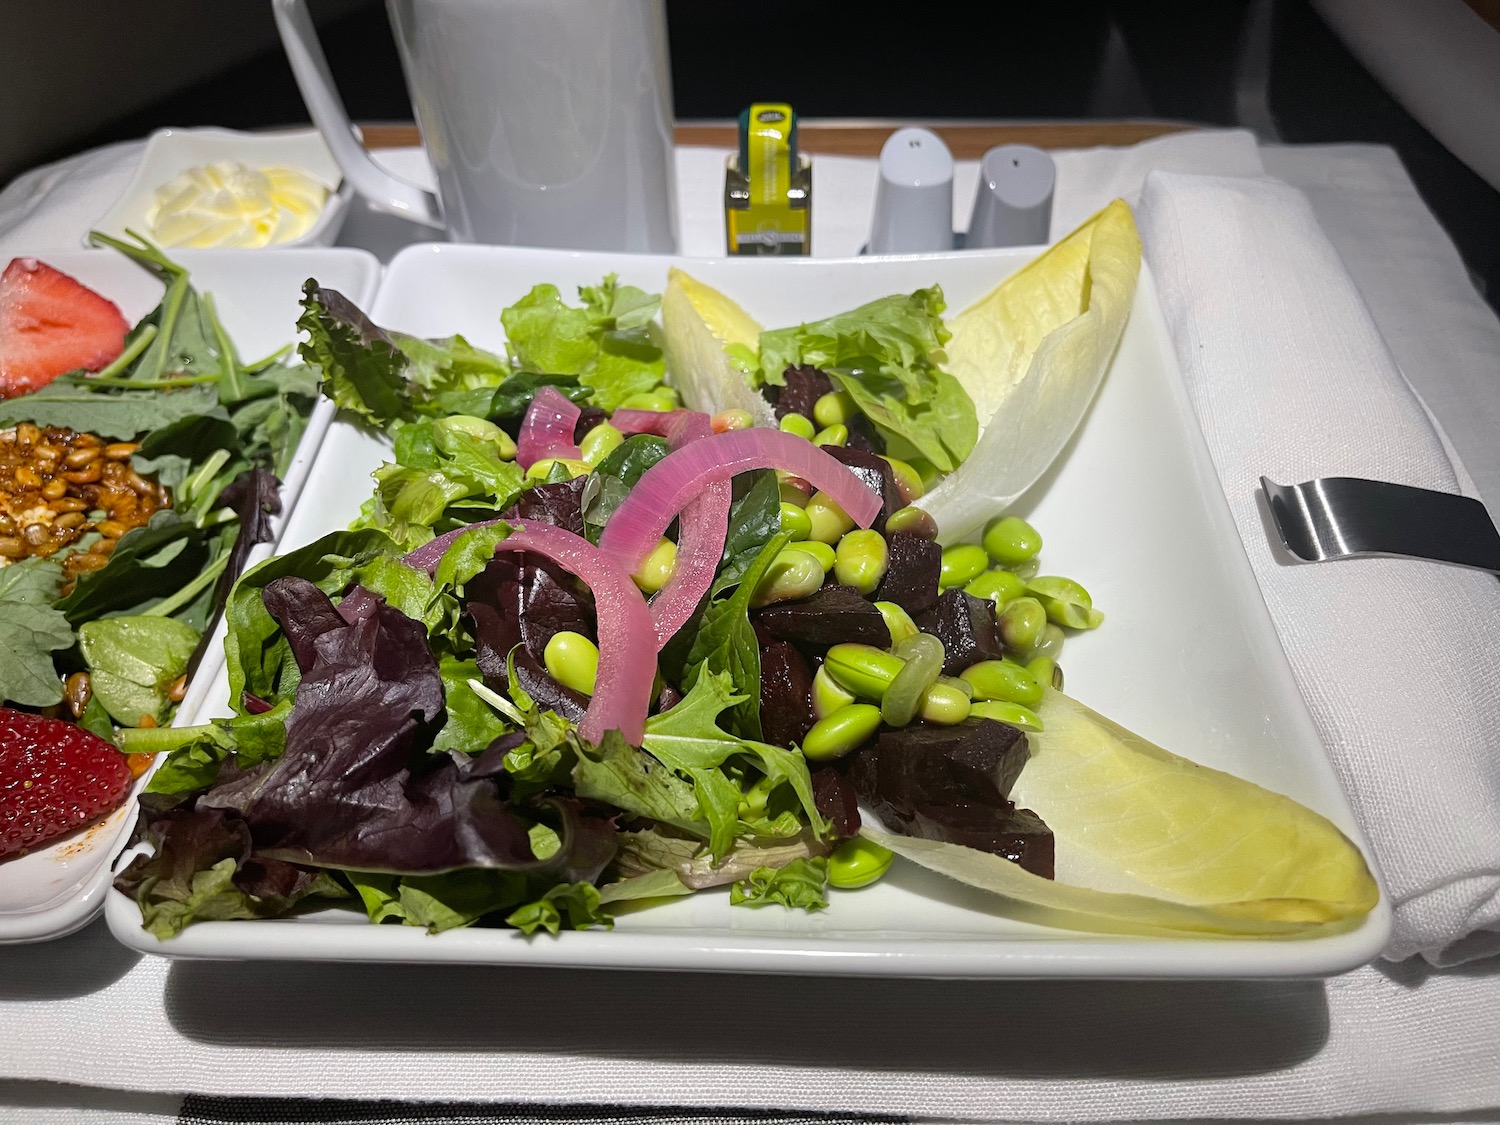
[(548, 122)]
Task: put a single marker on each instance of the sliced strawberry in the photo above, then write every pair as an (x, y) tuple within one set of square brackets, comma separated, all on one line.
[(51, 323), (54, 778)]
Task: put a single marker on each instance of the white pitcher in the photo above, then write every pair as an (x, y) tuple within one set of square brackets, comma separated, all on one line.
[(548, 122)]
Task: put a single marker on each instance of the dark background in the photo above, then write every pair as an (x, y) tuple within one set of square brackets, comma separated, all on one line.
[(1177, 60)]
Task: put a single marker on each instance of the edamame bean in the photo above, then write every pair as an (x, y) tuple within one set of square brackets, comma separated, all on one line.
[(820, 551), (1066, 602), (794, 574), (833, 409), (656, 568), (962, 563), (1046, 672), (733, 419), (912, 521), (480, 428), (923, 654), (648, 400), (858, 863), (1021, 624), (832, 435), (898, 621), (798, 424), (1010, 540), (1003, 680), (542, 470), (794, 521), (794, 490), (1012, 713), (827, 695), (860, 560), (908, 480), (1049, 644), (1000, 586), (599, 443), (863, 669), (669, 395), (835, 735), (1026, 570), (830, 523), (945, 704), (572, 660)]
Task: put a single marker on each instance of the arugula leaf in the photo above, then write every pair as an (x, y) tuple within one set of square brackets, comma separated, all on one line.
[(576, 903), (120, 416), (133, 661), (802, 884), (33, 631), (628, 778)]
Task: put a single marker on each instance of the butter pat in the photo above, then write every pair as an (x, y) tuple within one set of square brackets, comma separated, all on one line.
[(227, 204)]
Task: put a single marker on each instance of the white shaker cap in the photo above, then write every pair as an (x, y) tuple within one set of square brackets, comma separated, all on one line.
[(914, 196), (1013, 206)]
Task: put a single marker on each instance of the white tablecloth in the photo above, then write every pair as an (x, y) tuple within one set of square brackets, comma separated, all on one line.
[(1403, 1040)]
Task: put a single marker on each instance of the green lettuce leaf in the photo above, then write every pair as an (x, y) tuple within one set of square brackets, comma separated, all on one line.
[(628, 778), (574, 905), (802, 884), (33, 631)]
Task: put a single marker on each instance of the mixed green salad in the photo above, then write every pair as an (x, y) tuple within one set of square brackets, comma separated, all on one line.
[(586, 648)]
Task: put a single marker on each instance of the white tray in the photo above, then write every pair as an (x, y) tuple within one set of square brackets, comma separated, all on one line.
[(1188, 656), (60, 888)]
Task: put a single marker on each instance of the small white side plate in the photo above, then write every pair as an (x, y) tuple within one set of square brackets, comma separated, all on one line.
[(60, 888), (171, 152), (1133, 509)]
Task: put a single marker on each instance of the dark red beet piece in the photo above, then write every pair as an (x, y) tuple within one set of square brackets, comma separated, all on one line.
[(833, 615), (785, 694), (804, 386), (1014, 834), (836, 799), (588, 418), (876, 473), (911, 574), (967, 627)]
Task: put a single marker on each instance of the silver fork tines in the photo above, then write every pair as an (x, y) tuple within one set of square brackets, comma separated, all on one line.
[(1345, 517)]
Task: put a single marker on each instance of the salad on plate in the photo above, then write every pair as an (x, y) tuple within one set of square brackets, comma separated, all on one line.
[(599, 639)]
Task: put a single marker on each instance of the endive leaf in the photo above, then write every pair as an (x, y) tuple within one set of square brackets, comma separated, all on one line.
[(699, 323), (1147, 839), (1032, 355)]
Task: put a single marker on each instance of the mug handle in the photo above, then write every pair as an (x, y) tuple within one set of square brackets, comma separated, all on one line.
[(310, 67)]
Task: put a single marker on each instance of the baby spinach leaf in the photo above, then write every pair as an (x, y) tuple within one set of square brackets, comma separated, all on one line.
[(133, 661), (33, 631)]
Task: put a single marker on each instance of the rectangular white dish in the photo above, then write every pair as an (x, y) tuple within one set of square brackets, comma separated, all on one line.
[(1133, 509), (58, 889)]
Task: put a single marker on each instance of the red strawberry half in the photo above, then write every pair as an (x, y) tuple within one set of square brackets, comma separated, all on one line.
[(51, 323), (54, 778)]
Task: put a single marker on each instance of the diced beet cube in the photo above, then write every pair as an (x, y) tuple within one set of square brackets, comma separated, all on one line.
[(911, 574), (1014, 834), (804, 386), (785, 694), (833, 615), (588, 418), (836, 799), (968, 628), (876, 474), (922, 764)]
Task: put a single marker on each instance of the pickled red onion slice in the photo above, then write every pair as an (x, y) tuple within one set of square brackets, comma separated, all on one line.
[(547, 429)]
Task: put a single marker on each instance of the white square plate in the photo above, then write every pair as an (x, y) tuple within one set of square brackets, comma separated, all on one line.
[(58, 889), (1188, 656)]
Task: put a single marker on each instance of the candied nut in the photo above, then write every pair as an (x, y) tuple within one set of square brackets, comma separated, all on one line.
[(77, 691), (120, 450)]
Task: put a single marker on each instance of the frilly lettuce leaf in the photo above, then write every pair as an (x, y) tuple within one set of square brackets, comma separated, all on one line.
[(801, 884), (1032, 355), (1147, 840)]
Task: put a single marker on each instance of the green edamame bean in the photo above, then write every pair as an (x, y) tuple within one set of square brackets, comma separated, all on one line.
[(908, 481), (837, 734), (1003, 680), (656, 568), (820, 551), (599, 443), (961, 684), (794, 521), (830, 523), (834, 409), (572, 660), (1066, 602), (832, 435), (669, 395), (648, 400), (897, 620), (1046, 672), (827, 695), (912, 521), (1021, 624), (542, 470), (794, 574), (863, 669), (962, 563), (480, 428), (731, 419), (1012, 713), (1000, 586), (1049, 644), (798, 424), (860, 560), (858, 863), (1010, 540), (923, 654), (794, 490), (1026, 570), (946, 704)]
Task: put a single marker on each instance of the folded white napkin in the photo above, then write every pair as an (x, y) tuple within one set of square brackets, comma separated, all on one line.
[(1399, 661)]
